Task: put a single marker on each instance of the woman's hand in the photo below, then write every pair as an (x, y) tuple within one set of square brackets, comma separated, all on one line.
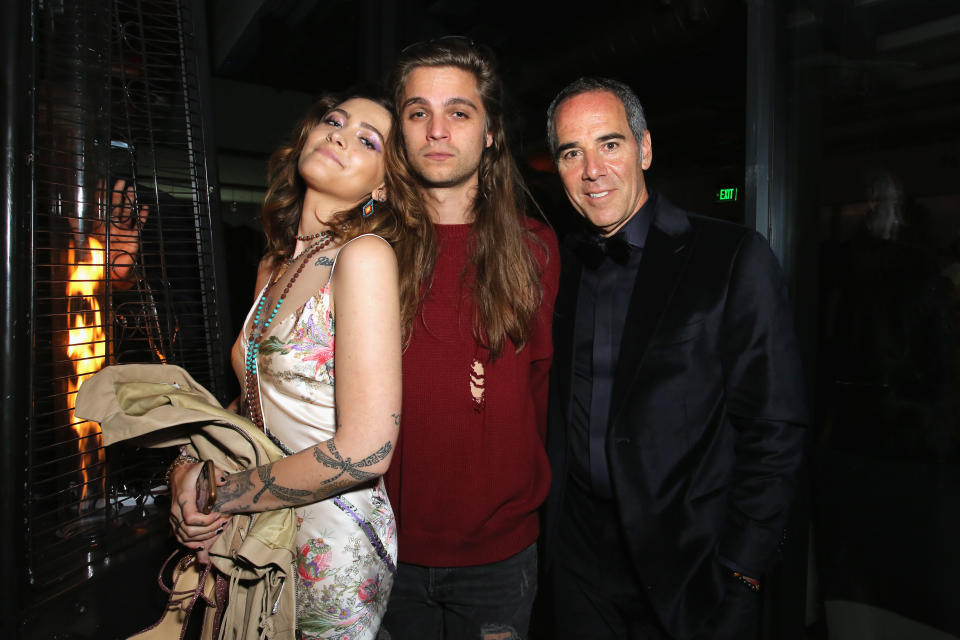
[(192, 528)]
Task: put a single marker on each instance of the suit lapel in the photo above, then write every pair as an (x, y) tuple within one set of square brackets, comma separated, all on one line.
[(665, 255)]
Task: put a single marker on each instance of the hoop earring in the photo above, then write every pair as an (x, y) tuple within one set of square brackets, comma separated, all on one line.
[(368, 208)]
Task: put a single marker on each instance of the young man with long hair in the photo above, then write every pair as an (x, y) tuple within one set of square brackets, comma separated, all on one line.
[(469, 471)]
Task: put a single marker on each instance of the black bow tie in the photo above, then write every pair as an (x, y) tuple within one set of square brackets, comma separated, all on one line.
[(593, 250)]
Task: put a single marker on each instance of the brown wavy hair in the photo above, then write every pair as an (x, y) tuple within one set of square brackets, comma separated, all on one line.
[(283, 203), (505, 282)]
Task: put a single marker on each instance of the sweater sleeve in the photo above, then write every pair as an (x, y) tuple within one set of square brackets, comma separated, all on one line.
[(541, 342)]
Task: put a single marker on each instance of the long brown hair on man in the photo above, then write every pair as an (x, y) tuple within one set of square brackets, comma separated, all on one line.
[(506, 281), (283, 203)]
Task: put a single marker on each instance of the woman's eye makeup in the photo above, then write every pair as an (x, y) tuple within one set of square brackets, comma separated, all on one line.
[(371, 143), (331, 120), (366, 139)]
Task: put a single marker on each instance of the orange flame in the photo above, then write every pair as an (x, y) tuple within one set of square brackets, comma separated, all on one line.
[(86, 349)]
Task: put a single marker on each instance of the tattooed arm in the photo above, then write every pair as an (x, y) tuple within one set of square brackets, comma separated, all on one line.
[(189, 525), (259, 489), (366, 308)]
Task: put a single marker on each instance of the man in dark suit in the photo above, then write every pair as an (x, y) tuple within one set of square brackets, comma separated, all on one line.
[(677, 412)]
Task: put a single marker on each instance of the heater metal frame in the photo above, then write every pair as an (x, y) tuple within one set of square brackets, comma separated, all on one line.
[(24, 603)]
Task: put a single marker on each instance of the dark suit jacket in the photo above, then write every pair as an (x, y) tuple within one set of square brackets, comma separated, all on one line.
[(707, 412)]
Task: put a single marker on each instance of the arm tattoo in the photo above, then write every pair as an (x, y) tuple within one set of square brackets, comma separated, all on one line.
[(396, 419), (240, 486), (348, 466), (323, 261), (237, 485), (333, 489), (286, 494)]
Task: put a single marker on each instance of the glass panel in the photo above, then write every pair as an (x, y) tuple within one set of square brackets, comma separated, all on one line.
[(876, 111)]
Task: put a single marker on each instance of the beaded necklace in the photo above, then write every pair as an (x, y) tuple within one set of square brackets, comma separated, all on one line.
[(257, 331)]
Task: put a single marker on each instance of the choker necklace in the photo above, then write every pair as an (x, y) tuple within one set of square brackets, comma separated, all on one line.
[(259, 328), (322, 238)]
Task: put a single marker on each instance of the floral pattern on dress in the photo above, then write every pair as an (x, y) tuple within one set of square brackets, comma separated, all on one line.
[(313, 560), (381, 516), (342, 582), (312, 338), (345, 600)]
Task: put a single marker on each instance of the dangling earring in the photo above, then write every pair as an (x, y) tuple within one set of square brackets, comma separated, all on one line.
[(368, 208)]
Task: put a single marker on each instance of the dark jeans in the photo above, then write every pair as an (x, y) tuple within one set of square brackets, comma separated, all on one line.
[(485, 602)]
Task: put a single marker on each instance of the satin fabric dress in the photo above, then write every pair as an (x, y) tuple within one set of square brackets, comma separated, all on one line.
[(347, 544)]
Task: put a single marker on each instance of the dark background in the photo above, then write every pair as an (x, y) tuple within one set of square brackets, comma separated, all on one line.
[(800, 105)]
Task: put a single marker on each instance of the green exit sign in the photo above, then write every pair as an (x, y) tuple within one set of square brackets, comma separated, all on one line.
[(729, 194)]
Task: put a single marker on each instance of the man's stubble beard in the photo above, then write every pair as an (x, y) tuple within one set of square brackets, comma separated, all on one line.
[(458, 179)]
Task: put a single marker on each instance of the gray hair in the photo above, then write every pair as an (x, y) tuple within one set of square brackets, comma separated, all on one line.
[(629, 100)]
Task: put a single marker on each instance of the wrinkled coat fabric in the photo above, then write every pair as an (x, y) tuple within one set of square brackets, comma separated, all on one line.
[(154, 405)]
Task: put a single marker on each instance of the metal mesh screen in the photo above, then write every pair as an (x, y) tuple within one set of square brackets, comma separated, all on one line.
[(122, 258)]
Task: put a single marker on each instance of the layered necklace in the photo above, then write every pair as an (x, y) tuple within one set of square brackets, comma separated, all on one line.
[(261, 322)]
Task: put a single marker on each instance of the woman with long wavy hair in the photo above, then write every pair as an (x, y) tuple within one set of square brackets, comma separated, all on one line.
[(330, 264)]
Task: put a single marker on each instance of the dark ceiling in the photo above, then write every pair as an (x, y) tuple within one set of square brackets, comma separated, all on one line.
[(873, 74), (674, 52)]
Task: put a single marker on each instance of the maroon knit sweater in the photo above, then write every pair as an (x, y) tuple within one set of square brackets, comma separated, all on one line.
[(466, 479)]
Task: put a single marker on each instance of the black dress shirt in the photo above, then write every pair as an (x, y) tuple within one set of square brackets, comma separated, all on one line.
[(602, 304)]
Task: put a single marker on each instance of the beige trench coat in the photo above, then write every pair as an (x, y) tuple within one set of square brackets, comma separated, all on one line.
[(156, 405)]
